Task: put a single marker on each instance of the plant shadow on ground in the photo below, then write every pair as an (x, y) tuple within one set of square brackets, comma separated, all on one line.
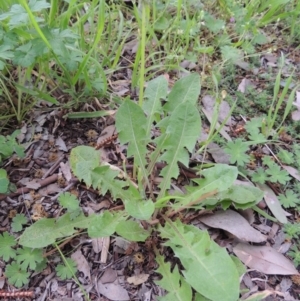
[(128, 190)]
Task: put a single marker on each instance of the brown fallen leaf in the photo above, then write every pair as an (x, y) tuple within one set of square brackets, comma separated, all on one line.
[(292, 171), (273, 203), (296, 114), (109, 276), (245, 83), (264, 259), (97, 244), (259, 295), (113, 291), (138, 279), (82, 264), (209, 104), (218, 153), (66, 170), (222, 131), (234, 223)]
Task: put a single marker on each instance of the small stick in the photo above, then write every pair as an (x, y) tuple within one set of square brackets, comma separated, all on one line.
[(23, 190)]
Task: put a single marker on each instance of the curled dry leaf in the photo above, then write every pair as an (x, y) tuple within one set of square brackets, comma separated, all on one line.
[(234, 223), (264, 259), (138, 279)]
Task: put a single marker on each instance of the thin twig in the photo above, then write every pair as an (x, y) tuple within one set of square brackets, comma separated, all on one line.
[(23, 190)]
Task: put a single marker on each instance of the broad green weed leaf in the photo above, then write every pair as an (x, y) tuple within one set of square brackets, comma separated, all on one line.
[(18, 221), (16, 275), (6, 243), (237, 150), (132, 231), (83, 159), (199, 297), (38, 5), (4, 182), (185, 90), (219, 178), (104, 179), (277, 174), (68, 201), (25, 55), (290, 199), (85, 164), (157, 90), (241, 268), (183, 131), (214, 25), (230, 53), (45, 231), (239, 195), (178, 289), (130, 123), (6, 53), (66, 271), (104, 224), (207, 267), (28, 258), (221, 174), (140, 209), (17, 15)]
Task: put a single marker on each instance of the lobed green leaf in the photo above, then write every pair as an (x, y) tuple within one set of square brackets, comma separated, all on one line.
[(140, 209), (187, 89), (173, 282), (45, 231), (156, 91), (207, 267), (132, 231), (182, 133), (130, 123)]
